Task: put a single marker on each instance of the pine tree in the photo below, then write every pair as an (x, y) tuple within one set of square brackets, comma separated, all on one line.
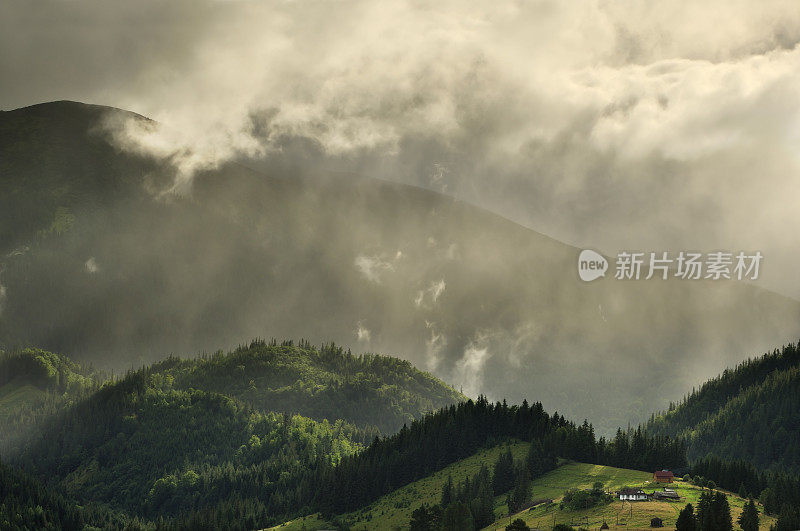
[(721, 511), (788, 520), (503, 477), (457, 517), (448, 494), (686, 519), (522, 489), (705, 521), (748, 520)]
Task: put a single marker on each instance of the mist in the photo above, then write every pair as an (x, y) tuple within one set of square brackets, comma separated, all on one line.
[(660, 125), (651, 126)]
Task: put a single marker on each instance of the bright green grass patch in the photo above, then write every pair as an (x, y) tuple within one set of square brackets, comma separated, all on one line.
[(617, 515), (393, 511), (307, 523)]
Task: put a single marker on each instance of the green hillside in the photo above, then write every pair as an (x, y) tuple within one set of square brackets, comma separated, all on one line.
[(35, 384), (165, 443), (393, 511), (617, 515), (322, 383), (221, 432), (751, 412), (144, 447)]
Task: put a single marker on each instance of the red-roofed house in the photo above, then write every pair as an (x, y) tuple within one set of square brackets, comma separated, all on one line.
[(663, 476)]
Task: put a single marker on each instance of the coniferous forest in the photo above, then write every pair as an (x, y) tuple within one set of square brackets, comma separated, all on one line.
[(253, 436), (165, 445), (749, 412)]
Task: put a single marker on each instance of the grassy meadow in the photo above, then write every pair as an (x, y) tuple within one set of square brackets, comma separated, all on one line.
[(393, 511)]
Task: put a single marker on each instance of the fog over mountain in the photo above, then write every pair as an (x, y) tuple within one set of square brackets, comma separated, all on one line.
[(249, 207), (106, 262), (640, 125)]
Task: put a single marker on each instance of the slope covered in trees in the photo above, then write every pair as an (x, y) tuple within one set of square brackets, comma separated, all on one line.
[(322, 383), (26, 504), (751, 413), (35, 384), (196, 439), (144, 447), (156, 446)]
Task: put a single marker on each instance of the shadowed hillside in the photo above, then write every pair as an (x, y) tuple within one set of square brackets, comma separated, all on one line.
[(751, 413)]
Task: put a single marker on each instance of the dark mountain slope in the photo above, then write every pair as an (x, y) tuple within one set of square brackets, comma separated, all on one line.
[(751, 412), (26, 504), (99, 264)]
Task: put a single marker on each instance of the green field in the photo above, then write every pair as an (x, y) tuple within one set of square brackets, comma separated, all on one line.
[(617, 515), (308, 523), (393, 511)]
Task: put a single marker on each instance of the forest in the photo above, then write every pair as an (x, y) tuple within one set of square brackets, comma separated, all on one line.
[(749, 412), (164, 445)]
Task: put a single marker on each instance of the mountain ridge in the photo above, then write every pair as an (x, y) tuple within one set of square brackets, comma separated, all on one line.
[(482, 302)]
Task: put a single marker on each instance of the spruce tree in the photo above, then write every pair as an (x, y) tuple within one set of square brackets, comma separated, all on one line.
[(448, 494), (686, 519), (748, 520)]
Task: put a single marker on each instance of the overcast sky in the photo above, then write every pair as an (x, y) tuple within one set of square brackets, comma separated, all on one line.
[(613, 125)]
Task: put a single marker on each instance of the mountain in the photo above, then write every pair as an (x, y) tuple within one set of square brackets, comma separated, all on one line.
[(143, 447), (100, 262), (212, 430), (370, 391), (378, 393), (751, 412), (187, 444), (26, 504)]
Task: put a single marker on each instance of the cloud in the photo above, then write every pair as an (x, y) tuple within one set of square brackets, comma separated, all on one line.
[(91, 265), (469, 369), (434, 346), (651, 125), (373, 267), (650, 119), (362, 333), (428, 297)]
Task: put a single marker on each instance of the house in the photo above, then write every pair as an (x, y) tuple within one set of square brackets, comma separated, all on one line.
[(663, 476), (666, 494), (632, 494)]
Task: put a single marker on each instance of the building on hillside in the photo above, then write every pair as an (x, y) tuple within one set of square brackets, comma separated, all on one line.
[(663, 476), (666, 494), (631, 494)]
